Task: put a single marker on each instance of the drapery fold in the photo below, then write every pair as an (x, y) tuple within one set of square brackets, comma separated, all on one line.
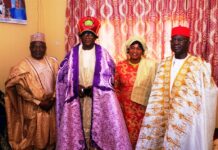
[(151, 19)]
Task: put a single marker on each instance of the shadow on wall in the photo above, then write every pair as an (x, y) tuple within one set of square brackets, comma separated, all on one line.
[(3, 125)]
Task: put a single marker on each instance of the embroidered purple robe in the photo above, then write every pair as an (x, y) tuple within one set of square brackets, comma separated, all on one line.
[(108, 130)]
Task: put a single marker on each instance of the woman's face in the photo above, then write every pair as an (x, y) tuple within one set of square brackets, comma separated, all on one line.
[(135, 53)]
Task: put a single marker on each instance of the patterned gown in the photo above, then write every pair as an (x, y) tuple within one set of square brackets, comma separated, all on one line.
[(107, 126), (183, 118), (125, 77)]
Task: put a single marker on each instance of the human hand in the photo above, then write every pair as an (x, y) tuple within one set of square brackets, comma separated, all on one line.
[(88, 91), (81, 91), (85, 91), (46, 105)]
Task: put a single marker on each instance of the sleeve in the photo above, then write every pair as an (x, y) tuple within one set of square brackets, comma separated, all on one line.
[(209, 101), (117, 82), (55, 66), (61, 87), (154, 70), (17, 81), (26, 95), (107, 65)]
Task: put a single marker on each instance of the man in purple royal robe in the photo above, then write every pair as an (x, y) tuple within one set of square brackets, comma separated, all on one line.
[(88, 112)]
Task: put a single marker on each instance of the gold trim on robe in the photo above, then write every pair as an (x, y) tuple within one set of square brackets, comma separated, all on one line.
[(180, 119)]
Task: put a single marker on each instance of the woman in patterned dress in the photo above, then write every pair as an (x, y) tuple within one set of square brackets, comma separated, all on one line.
[(133, 81)]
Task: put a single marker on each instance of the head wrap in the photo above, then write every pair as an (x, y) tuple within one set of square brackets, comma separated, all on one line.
[(37, 37), (180, 30), (88, 23), (136, 38)]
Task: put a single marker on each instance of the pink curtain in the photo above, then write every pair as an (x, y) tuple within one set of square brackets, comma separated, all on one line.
[(151, 19)]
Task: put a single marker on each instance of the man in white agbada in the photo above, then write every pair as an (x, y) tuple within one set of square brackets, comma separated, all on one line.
[(181, 111)]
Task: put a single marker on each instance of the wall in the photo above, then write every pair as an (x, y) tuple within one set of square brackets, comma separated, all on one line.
[(54, 26), (46, 16)]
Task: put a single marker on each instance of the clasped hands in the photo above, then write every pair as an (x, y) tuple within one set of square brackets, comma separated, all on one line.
[(47, 104), (85, 91)]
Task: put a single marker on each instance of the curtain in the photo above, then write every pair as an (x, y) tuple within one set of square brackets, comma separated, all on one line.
[(121, 19)]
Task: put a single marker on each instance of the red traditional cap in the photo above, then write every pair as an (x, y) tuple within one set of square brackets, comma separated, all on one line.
[(180, 30), (89, 24)]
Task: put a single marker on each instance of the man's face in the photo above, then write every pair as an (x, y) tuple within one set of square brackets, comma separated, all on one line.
[(88, 40), (37, 49), (180, 45)]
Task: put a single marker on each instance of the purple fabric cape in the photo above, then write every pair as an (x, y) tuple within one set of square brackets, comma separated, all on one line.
[(108, 129)]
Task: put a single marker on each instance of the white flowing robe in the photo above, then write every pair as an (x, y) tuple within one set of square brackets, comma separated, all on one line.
[(183, 118)]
